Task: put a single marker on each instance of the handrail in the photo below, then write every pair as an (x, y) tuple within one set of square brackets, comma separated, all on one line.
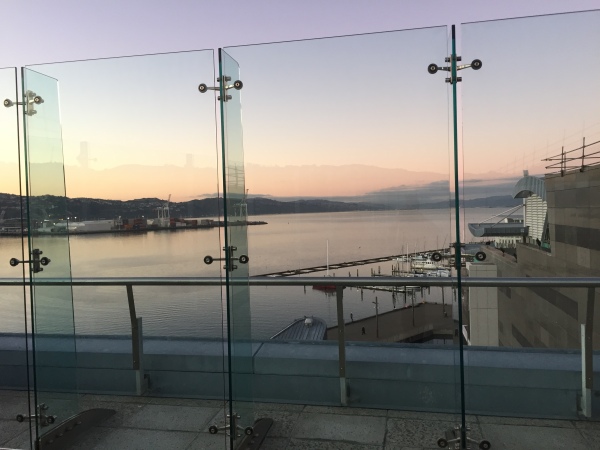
[(314, 281), (563, 160), (591, 283)]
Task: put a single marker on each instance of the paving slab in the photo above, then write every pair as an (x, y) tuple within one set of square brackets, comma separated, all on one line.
[(420, 432), (395, 447), (12, 392), (171, 418), (284, 423), (343, 428), (259, 407), (123, 411), (313, 444), (134, 439), (592, 438), (11, 429), (154, 400), (206, 441), (346, 410), (420, 415), (587, 424), (275, 443), (11, 405), (510, 437), (22, 441), (524, 421)]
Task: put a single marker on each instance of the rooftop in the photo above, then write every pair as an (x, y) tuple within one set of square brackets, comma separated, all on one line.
[(168, 423)]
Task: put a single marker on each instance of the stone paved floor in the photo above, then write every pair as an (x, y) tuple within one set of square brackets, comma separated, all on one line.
[(182, 424)]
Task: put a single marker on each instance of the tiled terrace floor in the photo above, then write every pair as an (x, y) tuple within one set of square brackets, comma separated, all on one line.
[(182, 424)]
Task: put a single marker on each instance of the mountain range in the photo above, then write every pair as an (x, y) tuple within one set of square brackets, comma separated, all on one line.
[(56, 207)]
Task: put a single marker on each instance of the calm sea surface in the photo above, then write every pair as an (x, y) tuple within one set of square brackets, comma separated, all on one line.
[(289, 241)]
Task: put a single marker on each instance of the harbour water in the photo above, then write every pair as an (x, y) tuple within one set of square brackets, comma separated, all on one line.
[(288, 241)]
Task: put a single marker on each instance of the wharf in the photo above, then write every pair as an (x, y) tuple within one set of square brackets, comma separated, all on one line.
[(407, 324), (343, 265), (322, 268), (140, 230)]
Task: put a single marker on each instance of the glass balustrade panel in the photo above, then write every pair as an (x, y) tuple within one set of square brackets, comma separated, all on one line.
[(348, 164), (142, 200), (531, 140), (54, 355), (240, 348), (14, 379)]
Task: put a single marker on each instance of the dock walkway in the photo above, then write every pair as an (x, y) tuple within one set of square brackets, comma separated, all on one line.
[(360, 262)]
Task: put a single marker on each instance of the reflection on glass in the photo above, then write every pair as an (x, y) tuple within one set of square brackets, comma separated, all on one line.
[(55, 357), (347, 159), (531, 124), (13, 301), (142, 187), (236, 245)]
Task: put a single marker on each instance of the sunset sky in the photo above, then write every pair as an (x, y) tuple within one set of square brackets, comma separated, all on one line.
[(328, 117)]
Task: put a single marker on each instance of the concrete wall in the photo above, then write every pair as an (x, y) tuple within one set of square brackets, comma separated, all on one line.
[(483, 307), (420, 377)]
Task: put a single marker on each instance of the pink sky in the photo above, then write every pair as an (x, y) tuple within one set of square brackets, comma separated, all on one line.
[(364, 104)]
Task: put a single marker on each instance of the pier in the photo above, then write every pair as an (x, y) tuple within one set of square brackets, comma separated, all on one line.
[(446, 261), (343, 265)]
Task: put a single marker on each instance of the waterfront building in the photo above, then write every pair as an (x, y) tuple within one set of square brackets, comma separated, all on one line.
[(551, 318)]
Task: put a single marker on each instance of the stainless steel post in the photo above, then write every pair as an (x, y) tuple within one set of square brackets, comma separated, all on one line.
[(587, 350), (339, 292), (137, 343)]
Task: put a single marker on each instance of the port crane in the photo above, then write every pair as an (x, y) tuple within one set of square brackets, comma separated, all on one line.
[(163, 214)]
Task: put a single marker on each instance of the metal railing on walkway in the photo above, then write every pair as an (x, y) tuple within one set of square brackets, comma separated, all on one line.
[(571, 160), (591, 284)]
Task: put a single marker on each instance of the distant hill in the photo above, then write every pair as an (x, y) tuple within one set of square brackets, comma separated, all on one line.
[(259, 206), (496, 201), (56, 207)]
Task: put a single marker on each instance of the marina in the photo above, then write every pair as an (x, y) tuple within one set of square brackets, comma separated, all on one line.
[(290, 241)]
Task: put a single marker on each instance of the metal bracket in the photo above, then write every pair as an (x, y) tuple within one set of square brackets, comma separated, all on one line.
[(45, 420), (476, 64), (454, 437), (237, 85), (232, 425), (229, 266), (31, 99), (36, 261)]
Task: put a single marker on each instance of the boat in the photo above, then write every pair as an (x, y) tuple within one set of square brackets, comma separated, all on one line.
[(324, 287), (442, 273), (424, 264)]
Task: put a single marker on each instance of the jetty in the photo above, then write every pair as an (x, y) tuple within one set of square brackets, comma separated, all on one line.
[(343, 265), (446, 260)]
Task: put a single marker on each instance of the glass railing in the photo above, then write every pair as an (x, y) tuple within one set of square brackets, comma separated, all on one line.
[(535, 107), (343, 198), (348, 160), (293, 370), (14, 323), (101, 134)]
